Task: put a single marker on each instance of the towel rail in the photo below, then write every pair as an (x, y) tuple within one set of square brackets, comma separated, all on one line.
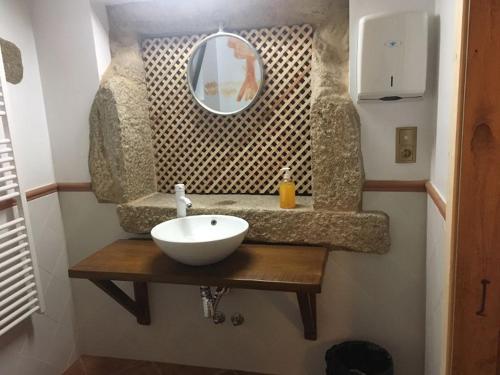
[(12, 297), (13, 250), (16, 313), (8, 177), (16, 285), (9, 196), (19, 301), (8, 187), (7, 169), (16, 267), (20, 288), (19, 320), (12, 232), (6, 159), (12, 278), (13, 241), (11, 223)]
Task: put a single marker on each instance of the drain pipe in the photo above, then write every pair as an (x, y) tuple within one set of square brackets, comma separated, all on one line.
[(206, 301), (210, 302)]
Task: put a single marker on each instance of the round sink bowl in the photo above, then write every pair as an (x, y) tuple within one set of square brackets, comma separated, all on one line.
[(200, 239)]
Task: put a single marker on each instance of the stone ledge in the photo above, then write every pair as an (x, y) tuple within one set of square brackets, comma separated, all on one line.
[(366, 232)]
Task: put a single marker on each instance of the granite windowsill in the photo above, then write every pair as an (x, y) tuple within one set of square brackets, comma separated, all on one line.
[(355, 231)]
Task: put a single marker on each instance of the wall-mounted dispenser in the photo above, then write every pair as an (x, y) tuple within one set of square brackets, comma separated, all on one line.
[(392, 56)]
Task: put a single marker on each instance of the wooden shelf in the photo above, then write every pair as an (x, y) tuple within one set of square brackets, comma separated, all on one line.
[(296, 269)]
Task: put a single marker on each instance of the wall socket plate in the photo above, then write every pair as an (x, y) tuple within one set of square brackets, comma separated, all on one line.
[(406, 144)]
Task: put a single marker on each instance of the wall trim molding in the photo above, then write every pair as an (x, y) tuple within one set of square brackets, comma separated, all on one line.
[(41, 191), (434, 194), (395, 185), (32, 194), (419, 186), (370, 185), (48, 189)]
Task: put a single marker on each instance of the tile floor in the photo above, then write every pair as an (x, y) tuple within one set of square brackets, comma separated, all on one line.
[(91, 365)]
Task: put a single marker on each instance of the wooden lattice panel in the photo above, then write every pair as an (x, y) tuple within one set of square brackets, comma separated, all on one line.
[(241, 153)]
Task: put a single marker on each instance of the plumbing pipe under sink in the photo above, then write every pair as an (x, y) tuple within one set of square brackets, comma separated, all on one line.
[(210, 302)]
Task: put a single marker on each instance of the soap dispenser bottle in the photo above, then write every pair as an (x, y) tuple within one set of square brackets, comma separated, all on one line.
[(287, 190)]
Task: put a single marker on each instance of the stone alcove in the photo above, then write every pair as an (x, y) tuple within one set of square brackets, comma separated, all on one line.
[(121, 152)]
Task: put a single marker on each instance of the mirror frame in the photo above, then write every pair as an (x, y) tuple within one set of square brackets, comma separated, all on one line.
[(190, 61)]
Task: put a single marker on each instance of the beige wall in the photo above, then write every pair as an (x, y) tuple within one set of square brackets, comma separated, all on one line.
[(380, 298), (373, 297), (379, 120), (438, 262), (46, 343), (70, 75)]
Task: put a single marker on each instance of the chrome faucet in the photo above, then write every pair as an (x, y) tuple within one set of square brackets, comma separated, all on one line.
[(181, 201)]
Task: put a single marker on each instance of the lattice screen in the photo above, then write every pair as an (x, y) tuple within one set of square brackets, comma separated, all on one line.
[(241, 153)]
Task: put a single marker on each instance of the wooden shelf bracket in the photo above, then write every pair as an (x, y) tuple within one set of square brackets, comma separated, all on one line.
[(138, 307), (252, 266), (307, 305)]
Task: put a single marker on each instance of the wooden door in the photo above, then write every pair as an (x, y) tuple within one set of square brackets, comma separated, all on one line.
[(475, 329)]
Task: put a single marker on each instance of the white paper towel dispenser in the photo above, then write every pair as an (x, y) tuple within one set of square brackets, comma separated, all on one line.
[(392, 56)]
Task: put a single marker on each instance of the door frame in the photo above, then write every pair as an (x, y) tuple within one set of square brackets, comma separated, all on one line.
[(473, 258)]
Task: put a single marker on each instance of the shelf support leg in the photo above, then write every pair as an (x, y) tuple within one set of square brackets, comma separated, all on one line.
[(138, 307), (307, 305), (142, 303)]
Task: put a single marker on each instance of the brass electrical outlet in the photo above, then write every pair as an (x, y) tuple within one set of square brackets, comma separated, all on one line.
[(406, 144)]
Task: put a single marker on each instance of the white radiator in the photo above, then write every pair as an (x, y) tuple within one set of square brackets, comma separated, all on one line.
[(20, 291)]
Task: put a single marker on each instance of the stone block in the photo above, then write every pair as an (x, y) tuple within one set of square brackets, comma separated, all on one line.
[(12, 61)]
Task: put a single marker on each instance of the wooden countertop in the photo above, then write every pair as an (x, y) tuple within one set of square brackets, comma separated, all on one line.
[(252, 266)]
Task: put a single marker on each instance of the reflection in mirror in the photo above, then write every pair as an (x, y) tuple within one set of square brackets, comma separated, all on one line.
[(225, 73)]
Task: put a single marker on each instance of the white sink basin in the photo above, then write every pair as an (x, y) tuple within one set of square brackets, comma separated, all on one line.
[(200, 239)]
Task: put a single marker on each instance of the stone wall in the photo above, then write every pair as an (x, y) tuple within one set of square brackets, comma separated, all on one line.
[(12, 61), (121, 161), (121, 152), (366, 232)]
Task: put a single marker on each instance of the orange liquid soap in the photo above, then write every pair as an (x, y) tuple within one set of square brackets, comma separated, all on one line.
[(287, 190)]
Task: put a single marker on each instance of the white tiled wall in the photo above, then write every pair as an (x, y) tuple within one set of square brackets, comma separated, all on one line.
[(448, 26), (46, 343), (437, 270)]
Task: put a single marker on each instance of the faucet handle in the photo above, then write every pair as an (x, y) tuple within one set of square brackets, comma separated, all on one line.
[(187, 201), (180, 188)]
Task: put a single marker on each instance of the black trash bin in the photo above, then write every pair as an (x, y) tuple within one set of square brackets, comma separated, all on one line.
[(358, 358)]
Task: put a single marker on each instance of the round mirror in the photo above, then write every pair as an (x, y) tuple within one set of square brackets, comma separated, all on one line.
[(225, 73)]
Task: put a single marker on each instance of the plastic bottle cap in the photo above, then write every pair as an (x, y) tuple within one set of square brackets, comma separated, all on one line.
[(287, 172)]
